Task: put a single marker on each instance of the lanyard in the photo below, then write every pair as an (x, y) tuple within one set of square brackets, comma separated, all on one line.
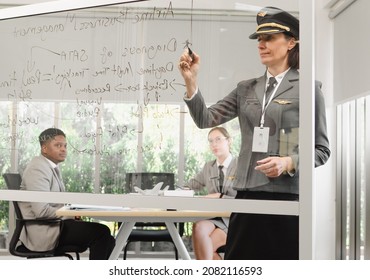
[(264, 106)]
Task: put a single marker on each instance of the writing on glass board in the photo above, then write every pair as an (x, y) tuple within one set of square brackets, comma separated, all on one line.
[(127, 55)]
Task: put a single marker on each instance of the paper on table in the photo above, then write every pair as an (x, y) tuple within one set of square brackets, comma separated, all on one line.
[(178, 192), (97, 207)]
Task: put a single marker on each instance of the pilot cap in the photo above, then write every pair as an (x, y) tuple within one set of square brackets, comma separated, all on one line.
[(271, 20)]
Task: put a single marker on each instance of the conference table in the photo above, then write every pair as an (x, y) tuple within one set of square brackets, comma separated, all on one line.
[(129, 216)]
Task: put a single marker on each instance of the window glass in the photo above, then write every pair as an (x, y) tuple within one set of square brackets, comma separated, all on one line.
[(161, 134), (109, 80), (119, 135), (7, 137), (32, 119), (83, 146)]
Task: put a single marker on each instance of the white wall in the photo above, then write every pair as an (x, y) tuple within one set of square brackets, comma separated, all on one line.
[(351, 52)]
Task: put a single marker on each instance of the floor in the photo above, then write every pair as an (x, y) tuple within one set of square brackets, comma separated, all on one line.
[(4, 255)]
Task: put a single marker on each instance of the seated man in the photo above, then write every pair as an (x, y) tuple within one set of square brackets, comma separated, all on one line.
[(42, 174)]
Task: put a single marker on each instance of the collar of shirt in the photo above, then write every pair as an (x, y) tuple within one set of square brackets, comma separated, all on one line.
[(53, 165), (278, 77), (226, 162)]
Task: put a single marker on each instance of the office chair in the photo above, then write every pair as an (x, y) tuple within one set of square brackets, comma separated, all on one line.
[(150, 232), (16, 248), (221, 251)]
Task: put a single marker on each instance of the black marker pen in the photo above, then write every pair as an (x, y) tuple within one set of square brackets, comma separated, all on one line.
[(191, 53)]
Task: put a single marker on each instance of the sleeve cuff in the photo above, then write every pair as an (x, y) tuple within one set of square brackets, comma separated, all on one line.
[(187, 99)]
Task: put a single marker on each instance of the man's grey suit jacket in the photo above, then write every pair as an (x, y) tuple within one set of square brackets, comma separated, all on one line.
[(39, 175)]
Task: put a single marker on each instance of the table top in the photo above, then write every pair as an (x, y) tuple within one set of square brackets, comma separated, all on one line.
[(137, 212)]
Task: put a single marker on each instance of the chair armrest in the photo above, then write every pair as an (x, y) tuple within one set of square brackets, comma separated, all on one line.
[(22, 223), (42, 221)]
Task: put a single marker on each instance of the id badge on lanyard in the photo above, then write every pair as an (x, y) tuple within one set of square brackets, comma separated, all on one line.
[(261, 134), (261, 139)]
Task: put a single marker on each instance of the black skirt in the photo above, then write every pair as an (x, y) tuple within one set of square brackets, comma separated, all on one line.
[(262, 236)]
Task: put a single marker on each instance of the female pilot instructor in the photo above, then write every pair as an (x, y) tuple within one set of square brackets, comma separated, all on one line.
[(268, 112)]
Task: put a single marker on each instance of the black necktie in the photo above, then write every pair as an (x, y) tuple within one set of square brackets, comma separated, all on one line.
[(221, 178), (270, 88)]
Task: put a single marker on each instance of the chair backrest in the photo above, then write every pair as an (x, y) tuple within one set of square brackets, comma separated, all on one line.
[(13, 182), (147, 180)]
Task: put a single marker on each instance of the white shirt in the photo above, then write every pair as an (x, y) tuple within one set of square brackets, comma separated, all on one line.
[(226, 163), (53, 165), (278, 78)]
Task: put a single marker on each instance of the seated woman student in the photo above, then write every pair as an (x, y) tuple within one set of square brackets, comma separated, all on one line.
[(216, 178)]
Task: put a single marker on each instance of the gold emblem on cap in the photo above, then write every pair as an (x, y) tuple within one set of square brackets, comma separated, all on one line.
[(273, 24), (262, 14)]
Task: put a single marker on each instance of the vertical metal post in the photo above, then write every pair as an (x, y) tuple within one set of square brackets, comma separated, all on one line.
[(367, 178), (351, 180), (306, 132), (181, 166), (339, 171)]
